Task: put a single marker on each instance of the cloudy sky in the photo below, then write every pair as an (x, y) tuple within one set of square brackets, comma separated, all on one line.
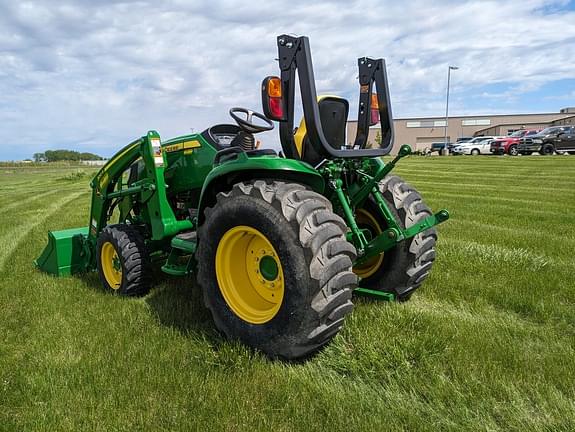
[(91, 75)]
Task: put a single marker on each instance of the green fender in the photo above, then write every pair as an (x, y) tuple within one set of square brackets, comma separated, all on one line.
[(246, 168)]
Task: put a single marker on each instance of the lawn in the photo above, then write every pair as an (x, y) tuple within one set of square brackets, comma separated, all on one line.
[(487, 343)]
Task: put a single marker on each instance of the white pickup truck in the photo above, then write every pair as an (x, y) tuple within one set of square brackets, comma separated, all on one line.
[(475, 146)]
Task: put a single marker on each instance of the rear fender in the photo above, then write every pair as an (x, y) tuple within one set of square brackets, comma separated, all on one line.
[(244, 168)]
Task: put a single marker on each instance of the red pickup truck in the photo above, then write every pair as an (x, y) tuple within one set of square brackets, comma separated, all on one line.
[(509, 144)]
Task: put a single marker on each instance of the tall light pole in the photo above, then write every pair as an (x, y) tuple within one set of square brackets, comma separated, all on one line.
[(449, 69)]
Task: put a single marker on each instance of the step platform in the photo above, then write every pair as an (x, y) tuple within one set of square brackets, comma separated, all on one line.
[(181, 261)]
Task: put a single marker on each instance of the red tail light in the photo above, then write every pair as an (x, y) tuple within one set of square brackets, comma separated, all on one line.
[(374, 110), (276, 108), (272, 98)]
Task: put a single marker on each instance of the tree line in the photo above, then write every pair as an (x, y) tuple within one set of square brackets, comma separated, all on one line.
[(64, 155)]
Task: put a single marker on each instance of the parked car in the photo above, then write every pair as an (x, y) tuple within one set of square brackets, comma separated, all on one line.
[(475, 146), (548, 141), (463, 139), (439, 146), (508, 144)]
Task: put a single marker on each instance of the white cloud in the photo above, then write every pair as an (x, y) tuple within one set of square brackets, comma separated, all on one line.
[(93, 75)]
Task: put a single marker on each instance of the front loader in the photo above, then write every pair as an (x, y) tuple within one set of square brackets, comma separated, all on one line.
[(277, 242)]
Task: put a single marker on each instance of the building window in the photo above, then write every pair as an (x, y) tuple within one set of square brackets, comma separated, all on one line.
[(425, 124), (476, 122)]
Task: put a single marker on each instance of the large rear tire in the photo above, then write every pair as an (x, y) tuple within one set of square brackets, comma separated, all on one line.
[(296, 303), (123, 261), (403, 269)]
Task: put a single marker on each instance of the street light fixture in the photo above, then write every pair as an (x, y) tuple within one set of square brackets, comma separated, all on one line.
[(449, 69)]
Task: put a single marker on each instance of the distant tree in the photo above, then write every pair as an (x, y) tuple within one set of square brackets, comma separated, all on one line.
[(89, 156), (68, 155), (39, 157)]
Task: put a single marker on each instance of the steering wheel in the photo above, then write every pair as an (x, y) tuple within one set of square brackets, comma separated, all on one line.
[(247, 124)]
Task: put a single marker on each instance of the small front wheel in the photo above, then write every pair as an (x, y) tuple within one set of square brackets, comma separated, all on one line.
[(513, 151), (474, 152), (275, 267), (123, 260)]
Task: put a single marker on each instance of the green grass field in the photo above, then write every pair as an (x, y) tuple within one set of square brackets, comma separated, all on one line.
[(487, 343)]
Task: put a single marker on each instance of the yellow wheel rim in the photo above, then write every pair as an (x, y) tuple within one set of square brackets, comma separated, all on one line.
[(111, 265), (249, 274), (366, 220)]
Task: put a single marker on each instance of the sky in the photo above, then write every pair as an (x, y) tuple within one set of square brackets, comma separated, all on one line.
[(92, 75)]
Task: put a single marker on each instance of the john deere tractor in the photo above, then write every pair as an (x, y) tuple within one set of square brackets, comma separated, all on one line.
[(278, 243)]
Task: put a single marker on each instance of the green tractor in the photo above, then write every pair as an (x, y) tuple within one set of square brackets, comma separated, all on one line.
[(277, 242)]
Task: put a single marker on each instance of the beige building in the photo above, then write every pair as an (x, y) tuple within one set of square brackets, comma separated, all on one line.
[(420, 132)]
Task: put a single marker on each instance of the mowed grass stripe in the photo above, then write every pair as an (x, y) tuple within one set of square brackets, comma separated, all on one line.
[(24, 214), (525, 234), (523, 258), (11, 240), (551, 204), (493, 188), (12, 199), (516, 235), (518, 163), (555, 172), (562, 219), (17, 203), (487, 177)]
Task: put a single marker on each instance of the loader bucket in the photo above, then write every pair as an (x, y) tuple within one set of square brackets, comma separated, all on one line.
[(65, 253)]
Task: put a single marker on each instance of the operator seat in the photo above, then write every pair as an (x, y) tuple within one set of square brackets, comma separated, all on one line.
[(333, 112), (221, 135)]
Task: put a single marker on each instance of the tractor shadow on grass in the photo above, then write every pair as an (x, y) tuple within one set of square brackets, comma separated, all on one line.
[(175, 302)]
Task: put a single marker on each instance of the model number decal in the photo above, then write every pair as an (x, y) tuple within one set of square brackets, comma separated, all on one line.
[(186, 145)]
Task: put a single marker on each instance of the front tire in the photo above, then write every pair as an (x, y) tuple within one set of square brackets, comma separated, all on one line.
[(474, 152), (403, 269), (547, 150), (123, 261), (513, 151), (312, 274)]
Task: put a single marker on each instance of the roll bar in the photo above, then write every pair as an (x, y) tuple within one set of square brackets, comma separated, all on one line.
[(295, 55)]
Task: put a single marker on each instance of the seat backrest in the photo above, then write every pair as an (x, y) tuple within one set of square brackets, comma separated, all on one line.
[(333, 111)]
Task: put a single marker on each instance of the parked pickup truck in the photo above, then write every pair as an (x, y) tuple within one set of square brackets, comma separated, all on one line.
[(508, 144), (439, 146), (553, 139), (478, 145)]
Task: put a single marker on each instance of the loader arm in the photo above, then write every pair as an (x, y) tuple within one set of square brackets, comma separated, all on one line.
[(74, 250), (149, 191)]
